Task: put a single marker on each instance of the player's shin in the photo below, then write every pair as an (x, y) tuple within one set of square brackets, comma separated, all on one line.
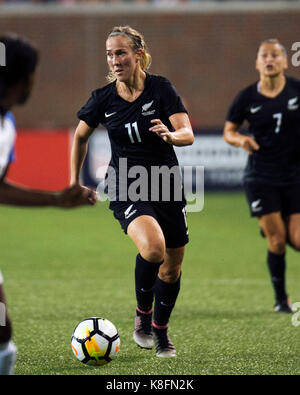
[(145, 276), (165, 299), (277, 267)]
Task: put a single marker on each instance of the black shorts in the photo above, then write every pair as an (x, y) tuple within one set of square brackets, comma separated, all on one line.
[(171, 217), (266, 199)]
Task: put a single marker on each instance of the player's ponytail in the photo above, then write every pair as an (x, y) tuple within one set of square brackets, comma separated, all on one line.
[(137, 43), (146, 60)]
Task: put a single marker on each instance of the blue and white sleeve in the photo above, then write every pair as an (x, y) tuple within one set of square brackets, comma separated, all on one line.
[(7, 141)]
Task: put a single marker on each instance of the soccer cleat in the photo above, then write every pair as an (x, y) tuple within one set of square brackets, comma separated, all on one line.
[(142, 334), (164, 347), (283, 307)]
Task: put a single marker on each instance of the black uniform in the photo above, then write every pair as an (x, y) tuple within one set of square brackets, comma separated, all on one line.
[(272, 174), (128, 126)]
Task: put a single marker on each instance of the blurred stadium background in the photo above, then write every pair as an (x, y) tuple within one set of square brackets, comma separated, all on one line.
[(206, 48), (60, 269)]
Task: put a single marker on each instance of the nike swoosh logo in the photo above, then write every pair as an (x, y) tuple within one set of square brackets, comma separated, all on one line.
[(109, 115), (165, 304), (253, 110), (146, 290)]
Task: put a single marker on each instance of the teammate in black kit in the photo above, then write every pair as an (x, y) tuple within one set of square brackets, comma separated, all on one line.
[(144, 117), (272, 175)]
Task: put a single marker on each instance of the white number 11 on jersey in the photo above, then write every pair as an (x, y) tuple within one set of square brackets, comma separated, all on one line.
[(136, 130)]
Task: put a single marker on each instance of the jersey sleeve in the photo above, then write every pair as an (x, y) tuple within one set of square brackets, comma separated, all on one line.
[(7, 142), (91, 112), (237, 110), (171, 101)]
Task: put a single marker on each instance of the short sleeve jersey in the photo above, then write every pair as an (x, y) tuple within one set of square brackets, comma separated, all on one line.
[(7, 141), (128, 123), (275, 125)]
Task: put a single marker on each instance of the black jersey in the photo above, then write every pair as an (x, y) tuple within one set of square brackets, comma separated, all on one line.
[(128, 123), (275, 125)]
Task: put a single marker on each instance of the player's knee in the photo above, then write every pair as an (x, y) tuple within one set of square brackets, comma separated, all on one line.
[(295, 243), (154, 255), (169, 275), (277, 244), (154, 252)]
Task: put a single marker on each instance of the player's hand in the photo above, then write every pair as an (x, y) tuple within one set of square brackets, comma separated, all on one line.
[(161, 130), (248, 144), (76, 195)]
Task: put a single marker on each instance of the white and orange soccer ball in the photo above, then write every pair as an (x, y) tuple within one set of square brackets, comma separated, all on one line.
[(95, 341)]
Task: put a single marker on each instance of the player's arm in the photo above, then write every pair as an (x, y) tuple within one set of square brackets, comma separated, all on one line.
[(183, 132), (79, 150), (232, 136), (18, 196)]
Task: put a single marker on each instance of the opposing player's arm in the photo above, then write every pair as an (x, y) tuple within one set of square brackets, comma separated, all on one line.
[(17, 195), (70, 197), (232, 136), (183, 132), (79, 150)]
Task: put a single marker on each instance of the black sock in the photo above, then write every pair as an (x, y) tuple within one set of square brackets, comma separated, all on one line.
[(165, 299), (145, 276), (276, 264)]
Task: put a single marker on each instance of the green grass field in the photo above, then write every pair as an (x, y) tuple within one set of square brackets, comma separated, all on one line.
[(63, 266)]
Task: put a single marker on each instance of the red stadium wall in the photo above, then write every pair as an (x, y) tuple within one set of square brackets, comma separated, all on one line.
[(42, 159)]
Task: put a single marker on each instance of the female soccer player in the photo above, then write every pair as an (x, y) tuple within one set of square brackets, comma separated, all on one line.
[(16, 81), (144, 117), (272, 175)]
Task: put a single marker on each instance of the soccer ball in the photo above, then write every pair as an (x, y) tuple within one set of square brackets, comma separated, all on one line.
[(95, 341)]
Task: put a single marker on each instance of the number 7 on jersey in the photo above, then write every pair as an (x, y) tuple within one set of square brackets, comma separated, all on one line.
[(278, 116)]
